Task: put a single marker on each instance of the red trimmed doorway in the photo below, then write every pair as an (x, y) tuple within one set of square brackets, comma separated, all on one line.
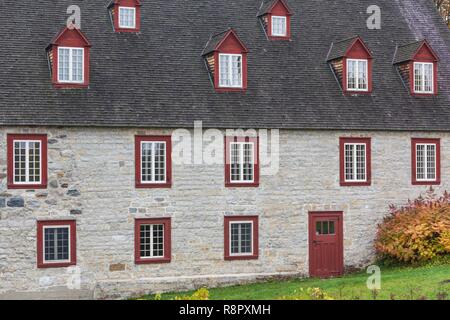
[(326, 249)]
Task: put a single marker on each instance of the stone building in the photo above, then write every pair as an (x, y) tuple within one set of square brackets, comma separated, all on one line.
[(108, 188)]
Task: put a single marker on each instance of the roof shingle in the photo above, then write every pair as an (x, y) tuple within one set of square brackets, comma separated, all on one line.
[(157, 78)]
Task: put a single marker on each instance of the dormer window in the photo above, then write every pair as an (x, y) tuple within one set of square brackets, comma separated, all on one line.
[(226, 61), (275, 17), (70, 65), (351, 63), (279, 26), (68, 57), (423, 77), (417, 64), (125, 15), (230, 70), (357, 75)]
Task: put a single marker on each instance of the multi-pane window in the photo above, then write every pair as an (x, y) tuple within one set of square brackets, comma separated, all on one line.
[(153, 161), (325, 228), (355, 158), (241, 238), (70, 65), (242, 161), (56, 244), (425, 162), (355, 162), (230, 70), (357, 75), (27, 162), (279, 26), (127, 17), (151, 240), (423, 77)]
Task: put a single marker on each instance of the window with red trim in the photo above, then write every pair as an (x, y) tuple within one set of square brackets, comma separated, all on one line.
[(126, 15), (426, 161), (153, 160), (276, 19), (56, 244), (241, 162), (69, 59), (226, 60), (27, 161), (241, 238), (152, 240), (355, 161)]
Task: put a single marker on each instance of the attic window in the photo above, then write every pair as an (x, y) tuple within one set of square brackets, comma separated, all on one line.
[(423, 77), (351, 62), (127, 17), (417, 65), (230, 70), (70, 65), (279, 26), (357, 75), (275, 17), (226, 61), (68, 57)]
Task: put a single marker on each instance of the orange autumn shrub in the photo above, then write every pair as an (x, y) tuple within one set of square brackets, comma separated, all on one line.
[(416, 232)]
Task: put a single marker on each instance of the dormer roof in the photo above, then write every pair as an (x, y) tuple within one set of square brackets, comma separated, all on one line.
[(118, 2), (216, 41), (409, 51), (340, 49), (70, 34), (268, 5)]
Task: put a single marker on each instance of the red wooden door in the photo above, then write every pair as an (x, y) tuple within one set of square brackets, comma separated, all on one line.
[(326, 251)]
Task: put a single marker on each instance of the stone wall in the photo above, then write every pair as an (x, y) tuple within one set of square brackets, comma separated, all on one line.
[(91, 179)]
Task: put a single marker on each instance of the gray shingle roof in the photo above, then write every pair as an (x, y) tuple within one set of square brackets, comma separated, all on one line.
[(214, 41), (339, 48), (158, 78), (406, 52)]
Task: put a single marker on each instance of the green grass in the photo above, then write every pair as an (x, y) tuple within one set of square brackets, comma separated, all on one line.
[(401, 283)]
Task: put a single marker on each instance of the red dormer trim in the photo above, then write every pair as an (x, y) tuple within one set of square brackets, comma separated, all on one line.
[(357, 50), (424, 54), (114, 7), (230, 44), (69, 38), (281, 9)]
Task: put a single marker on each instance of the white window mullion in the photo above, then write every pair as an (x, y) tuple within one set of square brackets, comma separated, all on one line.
[(27, 161), (241, 160), (153, 171)]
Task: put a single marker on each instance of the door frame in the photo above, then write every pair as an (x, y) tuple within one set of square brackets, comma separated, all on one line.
[(311, 230)]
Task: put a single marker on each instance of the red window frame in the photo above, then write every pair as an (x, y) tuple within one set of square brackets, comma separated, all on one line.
[(127, 4), (168, 141), (10, 163), (167, 223), (228, 182), (72, 244), (414, 143), (255, 237), (367, 142)]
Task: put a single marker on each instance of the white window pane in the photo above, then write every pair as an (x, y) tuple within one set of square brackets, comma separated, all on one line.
[(279, 26), (351, 74), (230, 70), (27, 162), (153, 162), (242, 162), (355, 162), (127, 17), (420, 162), (151, 240), (423, 77), (63, 64)]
